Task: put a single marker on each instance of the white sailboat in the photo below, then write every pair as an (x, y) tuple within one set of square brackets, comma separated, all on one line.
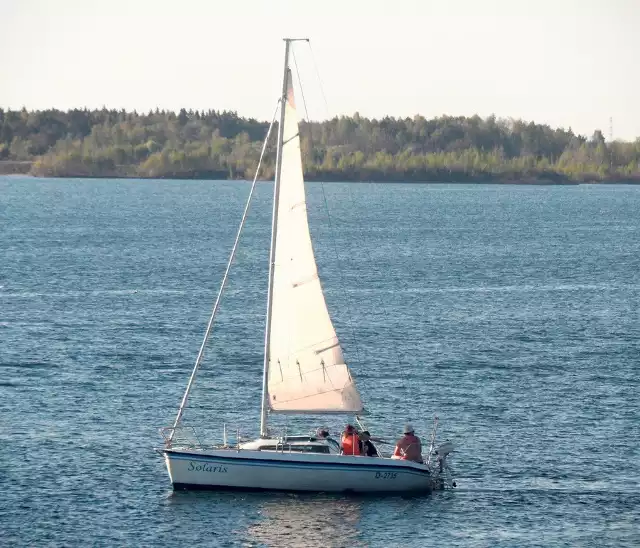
[(304, 370)]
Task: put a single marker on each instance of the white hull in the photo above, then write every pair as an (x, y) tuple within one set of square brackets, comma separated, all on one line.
[(266, 470)]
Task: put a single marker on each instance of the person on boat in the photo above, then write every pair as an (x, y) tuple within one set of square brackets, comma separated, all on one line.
[(409, 446), (350, 442), (322, 433), (366, 447)]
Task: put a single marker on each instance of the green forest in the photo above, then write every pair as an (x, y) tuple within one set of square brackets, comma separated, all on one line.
[(223, 145)]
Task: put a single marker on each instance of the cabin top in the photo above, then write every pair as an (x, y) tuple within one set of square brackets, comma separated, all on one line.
[(295, 444)]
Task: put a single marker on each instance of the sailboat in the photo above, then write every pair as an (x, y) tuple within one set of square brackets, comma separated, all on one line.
[(304, 370)]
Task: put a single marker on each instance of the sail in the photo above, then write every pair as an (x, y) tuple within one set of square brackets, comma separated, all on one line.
[(307, 372)]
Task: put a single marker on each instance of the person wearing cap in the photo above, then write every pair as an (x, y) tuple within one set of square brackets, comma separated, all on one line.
[(350, 443), (366, 447), (409, 446)]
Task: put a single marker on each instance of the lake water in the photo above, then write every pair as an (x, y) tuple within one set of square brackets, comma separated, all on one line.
[(511, 312)]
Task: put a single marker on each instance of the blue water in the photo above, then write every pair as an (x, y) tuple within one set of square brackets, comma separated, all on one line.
[(512, 312)]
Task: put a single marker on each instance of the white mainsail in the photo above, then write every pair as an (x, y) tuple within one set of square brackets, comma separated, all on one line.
[(307, 372)]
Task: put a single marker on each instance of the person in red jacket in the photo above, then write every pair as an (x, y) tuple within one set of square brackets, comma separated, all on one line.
[(409, 446), (350, 443)]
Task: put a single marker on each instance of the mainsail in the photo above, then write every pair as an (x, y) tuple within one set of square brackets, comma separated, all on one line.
[(307, 372)]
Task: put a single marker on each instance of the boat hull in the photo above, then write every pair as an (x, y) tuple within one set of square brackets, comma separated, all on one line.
[(276, 471)]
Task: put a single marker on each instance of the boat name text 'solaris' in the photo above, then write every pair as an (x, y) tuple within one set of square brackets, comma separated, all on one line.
[(193, 467)]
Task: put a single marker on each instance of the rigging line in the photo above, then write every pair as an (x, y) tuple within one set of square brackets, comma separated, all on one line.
[(207, 333), (369, 260), (304, 102), (353, 204), (315, 65), (326, 206), (340, 270)]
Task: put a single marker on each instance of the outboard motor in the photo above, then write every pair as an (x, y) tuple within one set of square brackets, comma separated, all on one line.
[(443, 449), (443, 474), (441, 452)]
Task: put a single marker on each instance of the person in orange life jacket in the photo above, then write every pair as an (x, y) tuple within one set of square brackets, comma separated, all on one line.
[(350, 443), (409, 446), (366, 447)]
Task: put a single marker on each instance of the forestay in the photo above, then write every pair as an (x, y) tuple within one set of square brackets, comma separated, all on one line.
[(307, 372)]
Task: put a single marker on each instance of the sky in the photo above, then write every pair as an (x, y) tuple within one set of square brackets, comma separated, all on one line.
[(566, 63)]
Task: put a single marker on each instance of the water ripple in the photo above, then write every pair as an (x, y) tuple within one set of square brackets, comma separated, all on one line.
[(510, 312)]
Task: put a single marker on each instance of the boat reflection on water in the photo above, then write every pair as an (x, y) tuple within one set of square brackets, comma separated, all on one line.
[(307, 520)]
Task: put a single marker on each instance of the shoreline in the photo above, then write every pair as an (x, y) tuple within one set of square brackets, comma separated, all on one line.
[(528, 181), (23, 169)]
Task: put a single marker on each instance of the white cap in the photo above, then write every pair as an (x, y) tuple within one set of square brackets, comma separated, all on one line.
[(408, 429)]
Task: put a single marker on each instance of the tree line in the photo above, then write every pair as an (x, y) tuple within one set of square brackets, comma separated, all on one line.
[(220, 144)]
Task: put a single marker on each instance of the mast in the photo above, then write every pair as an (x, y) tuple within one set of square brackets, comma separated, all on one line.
[(274, 232)]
